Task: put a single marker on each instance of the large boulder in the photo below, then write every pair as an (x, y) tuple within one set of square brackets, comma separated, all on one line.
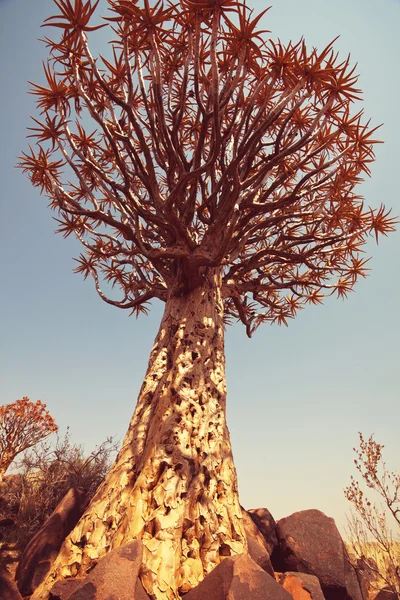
[(8, 589), (309, 542), (238, 578), (39, 554), (256, 543), (302, 586), (265, 523), (114, 577)]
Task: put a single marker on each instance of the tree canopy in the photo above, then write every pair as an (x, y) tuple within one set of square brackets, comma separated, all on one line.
[(200, 142), (22, 425)]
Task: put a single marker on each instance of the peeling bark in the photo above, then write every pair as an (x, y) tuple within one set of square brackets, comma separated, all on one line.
[(173, 484)]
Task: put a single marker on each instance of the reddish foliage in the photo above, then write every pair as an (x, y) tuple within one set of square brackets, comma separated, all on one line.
[(22, 425), (211, 146)]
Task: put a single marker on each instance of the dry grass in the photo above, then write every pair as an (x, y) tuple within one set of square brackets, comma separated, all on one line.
[(47, 472), (384, 566)]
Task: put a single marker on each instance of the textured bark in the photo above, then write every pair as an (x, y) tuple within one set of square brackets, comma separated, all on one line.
[(174, 484)]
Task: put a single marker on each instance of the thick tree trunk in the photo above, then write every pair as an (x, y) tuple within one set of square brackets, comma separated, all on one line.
[(174, 483)]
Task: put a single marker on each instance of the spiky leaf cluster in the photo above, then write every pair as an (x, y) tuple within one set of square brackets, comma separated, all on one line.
[(209, 145)]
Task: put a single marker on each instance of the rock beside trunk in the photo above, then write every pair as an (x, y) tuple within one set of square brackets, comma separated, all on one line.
[(238, 578), (115, 577), (309, 542), (40, 553), (257, 546), (265, 523)]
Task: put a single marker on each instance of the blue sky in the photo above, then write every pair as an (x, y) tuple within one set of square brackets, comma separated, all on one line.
[(297, 396)]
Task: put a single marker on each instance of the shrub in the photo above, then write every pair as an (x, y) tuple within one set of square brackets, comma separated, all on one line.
[(45, 474), (370, 527)]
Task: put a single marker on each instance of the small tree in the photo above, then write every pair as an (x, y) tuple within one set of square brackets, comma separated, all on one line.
[(370, 526), (22, 425), (203, 164)]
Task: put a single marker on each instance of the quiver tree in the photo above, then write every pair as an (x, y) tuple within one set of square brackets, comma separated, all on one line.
[(202, 164), (22, 425)]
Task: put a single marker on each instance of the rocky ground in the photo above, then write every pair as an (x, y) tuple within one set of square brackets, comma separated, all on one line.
[(301, 557)]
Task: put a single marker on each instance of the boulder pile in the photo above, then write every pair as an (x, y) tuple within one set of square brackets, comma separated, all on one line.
[(300, 557)]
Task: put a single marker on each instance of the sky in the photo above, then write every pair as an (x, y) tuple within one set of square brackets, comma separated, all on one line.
[(297, 396)]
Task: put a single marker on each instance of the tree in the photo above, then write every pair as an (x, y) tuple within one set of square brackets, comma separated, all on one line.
[(370, 526), (205, 165), (22, 425)]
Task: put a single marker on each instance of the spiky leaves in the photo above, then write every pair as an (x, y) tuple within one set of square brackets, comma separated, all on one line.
[(211, 145)]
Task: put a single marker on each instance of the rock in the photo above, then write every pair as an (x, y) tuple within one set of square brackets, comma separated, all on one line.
[(257, 545), (115, 577), (8, 589), (265, 523), (355, 586), (43, 548), (302, 586), (386, 594), (309, 542), (366, 571), (238, 578)]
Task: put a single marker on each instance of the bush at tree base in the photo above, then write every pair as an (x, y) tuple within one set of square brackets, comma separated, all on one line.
[(45, 474)]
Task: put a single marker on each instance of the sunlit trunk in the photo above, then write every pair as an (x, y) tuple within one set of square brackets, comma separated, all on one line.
[(174, 483)]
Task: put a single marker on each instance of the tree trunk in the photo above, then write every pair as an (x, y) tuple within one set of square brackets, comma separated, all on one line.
[(5, 461), (174, 484)]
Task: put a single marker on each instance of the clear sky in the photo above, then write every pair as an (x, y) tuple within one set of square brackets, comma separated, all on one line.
[(297, 396)]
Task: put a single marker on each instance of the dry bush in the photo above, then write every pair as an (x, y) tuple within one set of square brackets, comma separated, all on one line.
[(374, 562), (45, 474), (374, 526)]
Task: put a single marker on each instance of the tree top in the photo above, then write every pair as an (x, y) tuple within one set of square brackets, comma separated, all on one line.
[(199, 142)]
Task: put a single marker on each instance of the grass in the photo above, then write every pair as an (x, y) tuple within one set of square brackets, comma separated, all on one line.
[(385, 566)]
